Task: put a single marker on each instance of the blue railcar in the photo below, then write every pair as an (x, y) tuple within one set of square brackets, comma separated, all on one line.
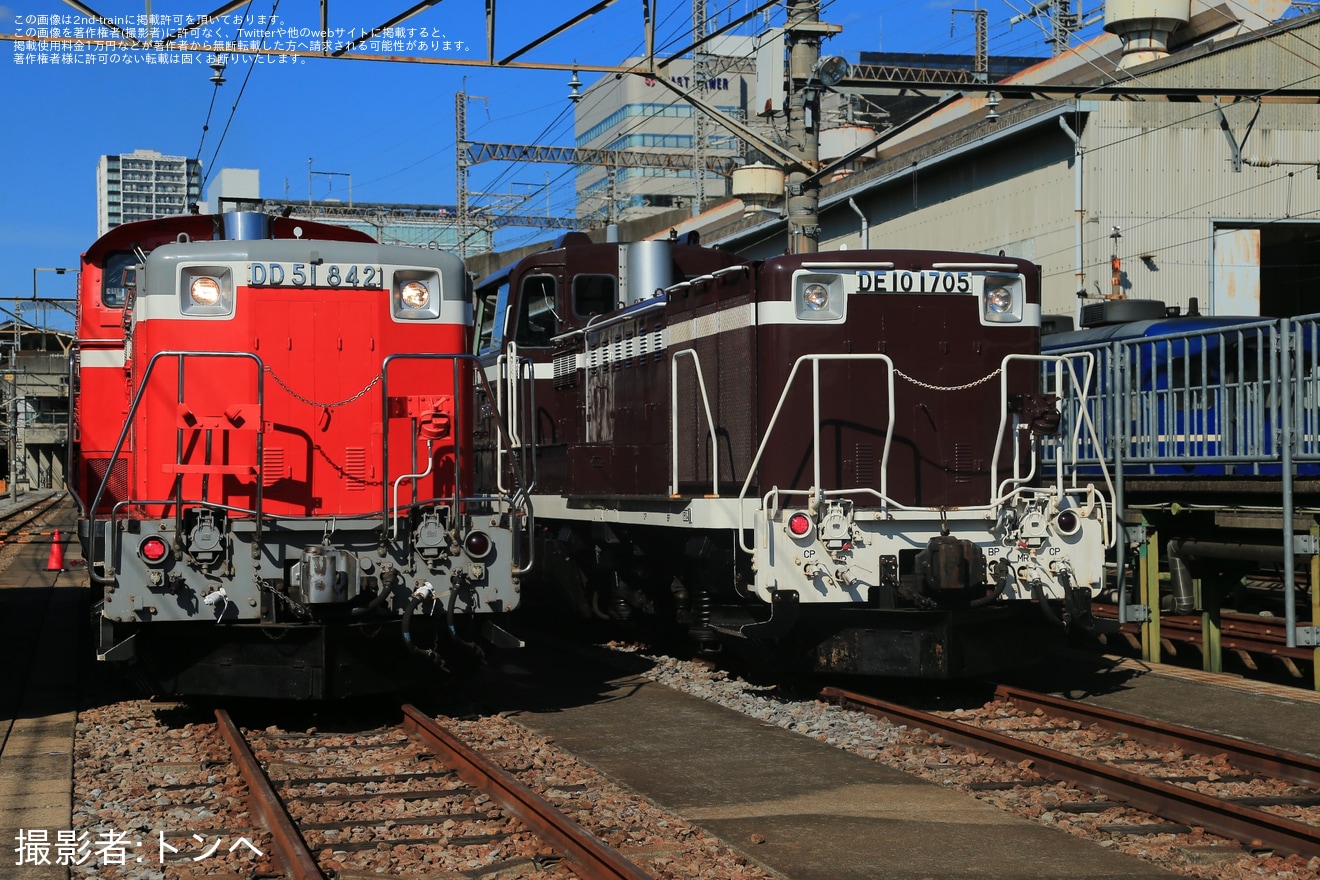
[(1196, 395)]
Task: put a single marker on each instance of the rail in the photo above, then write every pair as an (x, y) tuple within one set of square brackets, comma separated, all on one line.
[(297, 858), (1151, 795), (590, 857)]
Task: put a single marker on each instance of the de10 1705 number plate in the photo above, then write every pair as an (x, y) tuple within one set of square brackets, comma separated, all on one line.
[(922, 281), (356, 275)]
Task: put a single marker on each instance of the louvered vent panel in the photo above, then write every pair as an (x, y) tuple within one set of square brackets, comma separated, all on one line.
[(963, 463), (864, 464), (355, 468), (272, 465)]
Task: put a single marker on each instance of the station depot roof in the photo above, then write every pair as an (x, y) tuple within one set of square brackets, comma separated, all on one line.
[(957, 127)]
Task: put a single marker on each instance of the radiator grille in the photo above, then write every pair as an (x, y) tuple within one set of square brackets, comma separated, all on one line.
[(116, 489)]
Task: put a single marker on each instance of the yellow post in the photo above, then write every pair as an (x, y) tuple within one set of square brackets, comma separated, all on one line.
[(1150, 595), (1212, 658), (1315, 604)]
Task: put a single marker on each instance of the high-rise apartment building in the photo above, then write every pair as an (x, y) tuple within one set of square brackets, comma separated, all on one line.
[(143, 185)]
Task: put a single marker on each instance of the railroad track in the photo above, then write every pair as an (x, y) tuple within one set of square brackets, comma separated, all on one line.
[(1246, 635), (1233, 788), (397, 795), (16, 525)]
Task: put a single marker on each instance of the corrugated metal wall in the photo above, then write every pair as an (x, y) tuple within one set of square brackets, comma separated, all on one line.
[(1160, 171)]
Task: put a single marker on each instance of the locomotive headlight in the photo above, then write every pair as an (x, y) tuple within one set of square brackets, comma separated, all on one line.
[(415, 295), (815, 296), (819, 296), (1001, 301), (205, 291)]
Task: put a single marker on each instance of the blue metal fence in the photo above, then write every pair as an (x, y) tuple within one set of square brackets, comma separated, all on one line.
[(1202, 398)]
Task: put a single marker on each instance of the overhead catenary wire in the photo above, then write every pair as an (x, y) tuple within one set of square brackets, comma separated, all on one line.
[(246, 77), (217, 81)]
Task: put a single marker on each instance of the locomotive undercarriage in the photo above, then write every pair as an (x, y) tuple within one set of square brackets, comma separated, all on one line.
[(828, 588), (307, 609)]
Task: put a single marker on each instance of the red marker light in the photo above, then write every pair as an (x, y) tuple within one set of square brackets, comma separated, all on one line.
[(1066, 522), (477, 545), (154, 550), (799, 524)]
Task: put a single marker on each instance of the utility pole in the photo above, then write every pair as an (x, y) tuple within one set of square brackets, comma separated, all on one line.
[(700, 125), (982, 65), (460, 134), (803, 34)]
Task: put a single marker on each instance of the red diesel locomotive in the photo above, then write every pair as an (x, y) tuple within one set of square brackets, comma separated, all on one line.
[(272, 455), (830, 459)]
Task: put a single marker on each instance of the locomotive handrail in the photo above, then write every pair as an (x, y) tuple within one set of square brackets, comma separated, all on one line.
[(521, 496), (599, 322), (1062, 364), (587, 370), (673, 422), (128, 422), (511, 385), (458, 431), (70, 473), (815, 360), (430, 463)]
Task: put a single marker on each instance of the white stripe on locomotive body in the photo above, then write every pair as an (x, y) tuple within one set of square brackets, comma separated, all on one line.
[(630, 338), (735, 318), (159, 297), (94, 358)]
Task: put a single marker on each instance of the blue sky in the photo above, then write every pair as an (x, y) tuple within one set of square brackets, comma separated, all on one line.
[(390, 126)]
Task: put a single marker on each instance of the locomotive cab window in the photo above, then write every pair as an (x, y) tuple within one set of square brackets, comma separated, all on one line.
[(594, 295), (487, 304), (118, 279), (538, 322)]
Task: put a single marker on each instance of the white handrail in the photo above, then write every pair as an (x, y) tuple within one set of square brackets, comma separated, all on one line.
[(815, 392), (673, 423)]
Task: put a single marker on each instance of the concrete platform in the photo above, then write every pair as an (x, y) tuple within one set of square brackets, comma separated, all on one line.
[(825, 814), (39, 647)]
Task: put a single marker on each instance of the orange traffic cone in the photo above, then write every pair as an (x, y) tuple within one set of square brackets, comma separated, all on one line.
[(56, 561)]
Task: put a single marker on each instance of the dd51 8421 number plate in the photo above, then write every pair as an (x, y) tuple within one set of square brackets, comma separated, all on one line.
[(356, 275)]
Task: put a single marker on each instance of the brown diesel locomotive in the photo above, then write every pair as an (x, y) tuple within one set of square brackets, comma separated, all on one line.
[(831, 459)]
